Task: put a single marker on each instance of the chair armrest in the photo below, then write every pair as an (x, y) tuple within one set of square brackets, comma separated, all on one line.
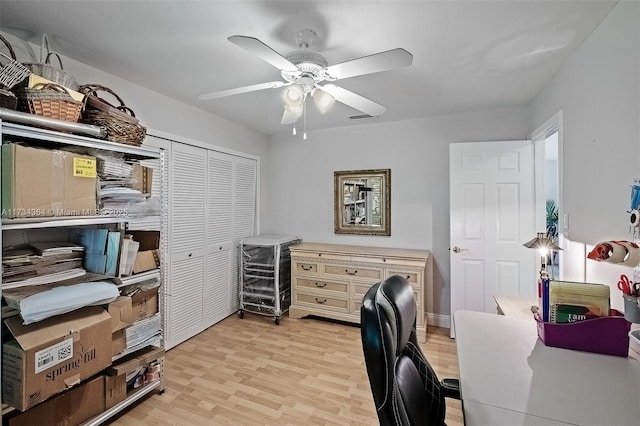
[(451, 388)]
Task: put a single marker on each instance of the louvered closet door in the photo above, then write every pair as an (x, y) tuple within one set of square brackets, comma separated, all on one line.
[(187, 243), (245, 178), (219, 266)]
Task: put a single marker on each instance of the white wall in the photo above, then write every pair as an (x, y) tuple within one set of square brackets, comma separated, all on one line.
[(598, 91), (159, 112), (298, 194)]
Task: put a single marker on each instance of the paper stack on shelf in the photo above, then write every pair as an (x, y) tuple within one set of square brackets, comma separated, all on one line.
[(129, 253), (114, 167), (120, 192), (142, 333), (36, 303), (41, 263)]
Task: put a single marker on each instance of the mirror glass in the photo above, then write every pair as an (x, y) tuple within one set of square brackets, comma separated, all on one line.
[(362, 202)]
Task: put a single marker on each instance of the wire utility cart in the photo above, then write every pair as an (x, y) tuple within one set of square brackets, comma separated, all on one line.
[(265, 275)]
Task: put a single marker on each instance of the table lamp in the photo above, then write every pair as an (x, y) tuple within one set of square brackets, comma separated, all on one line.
[(545, 245)]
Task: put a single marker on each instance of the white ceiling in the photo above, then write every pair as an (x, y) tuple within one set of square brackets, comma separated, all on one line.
[(467, 55)]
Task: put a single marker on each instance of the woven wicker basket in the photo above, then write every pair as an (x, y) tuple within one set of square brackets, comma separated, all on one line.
[(57, 75), (120, 122), (11, 72), (49, 100), (8, 99), (48, 71)]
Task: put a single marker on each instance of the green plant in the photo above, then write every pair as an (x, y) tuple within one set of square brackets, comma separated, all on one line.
[(552, 219)]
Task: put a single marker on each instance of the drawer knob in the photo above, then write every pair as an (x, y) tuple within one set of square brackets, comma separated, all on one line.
[(321, 301), (321, 284), (355, 271), (306, 267)]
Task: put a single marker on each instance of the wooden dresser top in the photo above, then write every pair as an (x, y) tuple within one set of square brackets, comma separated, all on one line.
[(360, 250)]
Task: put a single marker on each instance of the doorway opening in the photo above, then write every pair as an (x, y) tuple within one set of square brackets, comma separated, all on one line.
[(547, 141)]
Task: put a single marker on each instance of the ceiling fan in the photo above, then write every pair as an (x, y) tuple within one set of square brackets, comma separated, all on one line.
[(303, 71)]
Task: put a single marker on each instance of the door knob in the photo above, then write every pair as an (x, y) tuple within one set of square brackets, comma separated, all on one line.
[(457, 249)]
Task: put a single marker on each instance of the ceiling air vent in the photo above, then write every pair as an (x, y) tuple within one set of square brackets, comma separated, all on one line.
[(361, 117)]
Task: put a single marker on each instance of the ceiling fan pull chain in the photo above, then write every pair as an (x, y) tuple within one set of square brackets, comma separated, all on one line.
[(304, 117)]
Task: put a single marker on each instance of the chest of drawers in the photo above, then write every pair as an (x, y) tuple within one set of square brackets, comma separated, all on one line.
[(330, 280)]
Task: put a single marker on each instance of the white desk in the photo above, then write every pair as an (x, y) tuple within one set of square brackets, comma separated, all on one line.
[(515, 306), (508, 376)]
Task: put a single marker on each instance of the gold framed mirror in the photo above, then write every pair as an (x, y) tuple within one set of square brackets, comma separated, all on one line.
[(362, 200)]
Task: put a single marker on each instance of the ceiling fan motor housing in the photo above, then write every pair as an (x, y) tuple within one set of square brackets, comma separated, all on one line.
[(310, 63)]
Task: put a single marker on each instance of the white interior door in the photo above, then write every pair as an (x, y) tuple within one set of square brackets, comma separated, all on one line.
[(492, 215)]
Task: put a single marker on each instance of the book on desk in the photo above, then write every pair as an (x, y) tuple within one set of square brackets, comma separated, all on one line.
[(564, 301)]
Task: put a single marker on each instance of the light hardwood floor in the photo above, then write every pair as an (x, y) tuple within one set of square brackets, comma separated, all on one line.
[(251, 372)]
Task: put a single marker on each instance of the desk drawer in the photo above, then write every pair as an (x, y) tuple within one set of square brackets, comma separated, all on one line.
[(309, 268), (410, 276), (359, 290), (322, 285), (323, 302), (354, 271)]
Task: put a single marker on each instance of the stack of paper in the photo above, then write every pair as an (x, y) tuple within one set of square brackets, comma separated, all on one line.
[(143, 330), (129, 253), (111, 167), (116, 196), (41, 263)]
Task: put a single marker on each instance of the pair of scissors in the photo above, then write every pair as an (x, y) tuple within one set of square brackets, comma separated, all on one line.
[(627, 287)]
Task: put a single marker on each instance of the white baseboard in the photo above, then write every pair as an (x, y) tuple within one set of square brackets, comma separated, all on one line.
[(438, 320)]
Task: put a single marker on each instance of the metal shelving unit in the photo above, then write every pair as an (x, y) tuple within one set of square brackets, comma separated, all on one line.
[(11, 132), (265, 275)]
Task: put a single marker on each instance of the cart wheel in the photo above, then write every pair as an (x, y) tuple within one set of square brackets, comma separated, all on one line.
[(241, 313), (277, 320)]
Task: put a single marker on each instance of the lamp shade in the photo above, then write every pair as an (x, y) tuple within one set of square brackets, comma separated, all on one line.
[(542, 241)]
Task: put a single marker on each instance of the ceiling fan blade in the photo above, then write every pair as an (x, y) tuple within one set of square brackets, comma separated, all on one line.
[(354, 100), (244, 89), (264, 52), (383, 61)]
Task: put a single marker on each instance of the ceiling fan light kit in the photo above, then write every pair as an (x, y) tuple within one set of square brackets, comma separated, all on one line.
[(304, 70), (324, 101), (293, 95)]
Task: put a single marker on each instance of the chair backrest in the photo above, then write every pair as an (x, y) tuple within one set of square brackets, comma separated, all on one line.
[(406, 390)]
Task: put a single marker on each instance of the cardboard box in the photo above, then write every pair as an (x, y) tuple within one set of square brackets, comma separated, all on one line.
[(69, 408), (121, 313), (144, 304), (118, 342), (142, 178), (50, 356), (139, 368), (148, 256), (146, 261), (43, 183), (149, 240), (115, 390)]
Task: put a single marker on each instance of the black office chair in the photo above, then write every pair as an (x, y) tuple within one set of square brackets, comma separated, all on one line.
[(406, 390)]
